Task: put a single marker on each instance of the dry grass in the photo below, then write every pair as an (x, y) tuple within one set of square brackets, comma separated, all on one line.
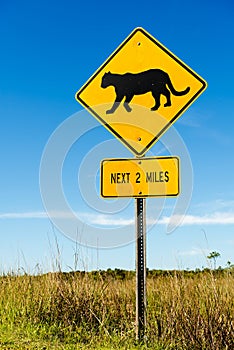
[(196, 312), (184, 312)]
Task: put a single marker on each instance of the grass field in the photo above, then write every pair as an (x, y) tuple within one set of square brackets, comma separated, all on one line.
[(186, 310)]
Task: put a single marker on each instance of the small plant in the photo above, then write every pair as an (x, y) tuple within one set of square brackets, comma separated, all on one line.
[(229, 265), (213, 256)]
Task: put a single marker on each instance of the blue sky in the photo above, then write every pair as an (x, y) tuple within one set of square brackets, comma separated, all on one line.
[(48, 51)]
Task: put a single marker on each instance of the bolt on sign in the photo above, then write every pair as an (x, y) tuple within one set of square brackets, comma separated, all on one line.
[(140, 91), (140, 177)]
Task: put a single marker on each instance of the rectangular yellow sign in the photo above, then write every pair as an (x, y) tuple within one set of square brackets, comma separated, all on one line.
[(140, 177)]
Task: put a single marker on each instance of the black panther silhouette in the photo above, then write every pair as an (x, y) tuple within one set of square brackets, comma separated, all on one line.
[(127, 85)]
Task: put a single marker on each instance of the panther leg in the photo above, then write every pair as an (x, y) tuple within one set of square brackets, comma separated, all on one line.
[(113, 108), (156, 97), (167, 93), (126, 103), (127, 107), (115, 105)]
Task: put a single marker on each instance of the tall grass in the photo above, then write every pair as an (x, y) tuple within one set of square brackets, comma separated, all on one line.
[(184, 312), (196, 312)]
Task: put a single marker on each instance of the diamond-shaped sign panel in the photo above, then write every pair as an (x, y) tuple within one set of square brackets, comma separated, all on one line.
[(140, 91)]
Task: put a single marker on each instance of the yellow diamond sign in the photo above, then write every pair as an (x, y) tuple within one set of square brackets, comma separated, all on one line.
[(140, 91)]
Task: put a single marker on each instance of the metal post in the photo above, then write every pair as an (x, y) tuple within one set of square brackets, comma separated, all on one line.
[(140, 269)]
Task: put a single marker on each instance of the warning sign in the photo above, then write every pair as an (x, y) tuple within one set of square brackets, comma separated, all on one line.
[(140, 91)]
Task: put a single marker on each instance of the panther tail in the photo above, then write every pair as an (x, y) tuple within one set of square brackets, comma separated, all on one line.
[(175, 92)]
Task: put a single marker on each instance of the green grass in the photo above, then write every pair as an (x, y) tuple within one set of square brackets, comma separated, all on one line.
[(97, 311)]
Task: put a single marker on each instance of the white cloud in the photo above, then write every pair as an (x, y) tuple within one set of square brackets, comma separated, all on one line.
[(106, 220), (98, 219), (35, 215), (218, 218), (26, 215)]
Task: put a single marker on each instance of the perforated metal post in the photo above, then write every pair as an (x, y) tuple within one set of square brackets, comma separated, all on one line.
[(140, 269)]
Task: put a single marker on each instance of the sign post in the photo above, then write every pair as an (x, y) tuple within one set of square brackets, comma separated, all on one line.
[(140, 269)]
